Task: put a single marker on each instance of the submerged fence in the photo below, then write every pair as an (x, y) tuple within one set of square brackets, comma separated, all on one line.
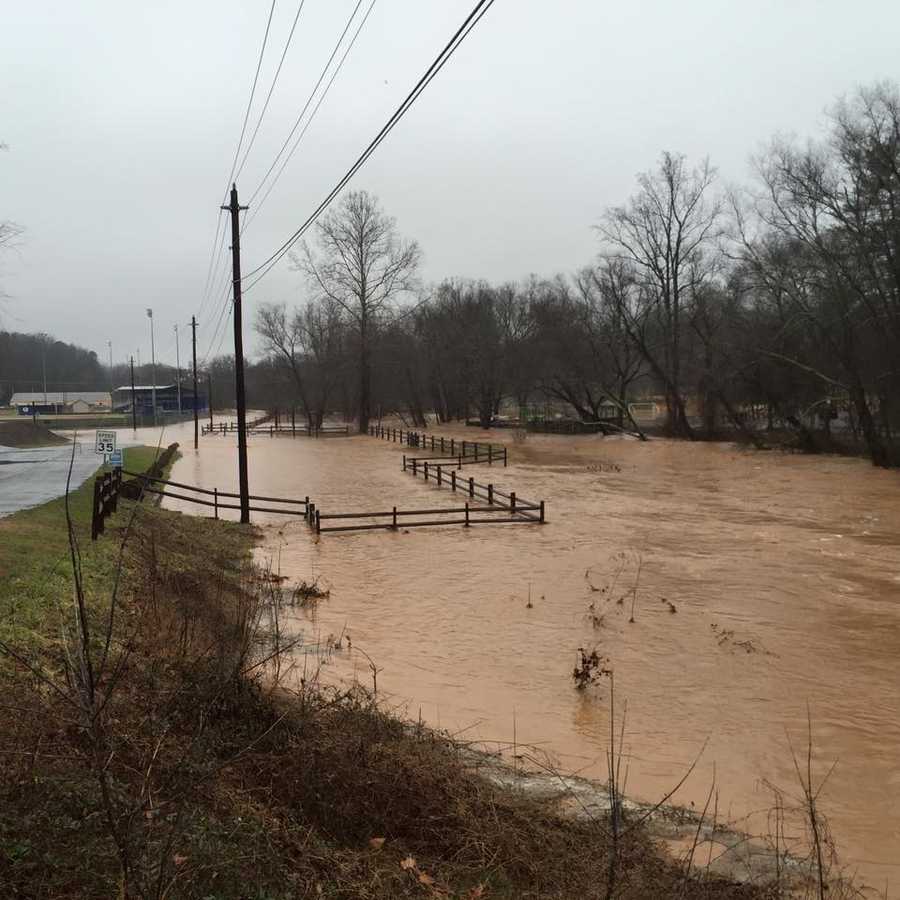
[(466, 452), (217, 497), (491, 506)]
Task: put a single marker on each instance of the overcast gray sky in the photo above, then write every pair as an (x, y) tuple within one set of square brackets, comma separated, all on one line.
[(122, 119)]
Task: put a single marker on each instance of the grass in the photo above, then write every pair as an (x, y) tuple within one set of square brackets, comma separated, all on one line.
[(193, 774), (25, 433), (35, 566)]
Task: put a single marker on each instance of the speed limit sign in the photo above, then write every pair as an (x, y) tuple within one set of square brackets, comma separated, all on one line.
[(105, 442)]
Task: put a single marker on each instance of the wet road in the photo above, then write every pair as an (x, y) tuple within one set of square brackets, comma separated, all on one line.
[(32, 477)]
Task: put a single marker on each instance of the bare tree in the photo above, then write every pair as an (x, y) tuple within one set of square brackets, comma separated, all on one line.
[(282, 336), (362, 266), (663, 234)]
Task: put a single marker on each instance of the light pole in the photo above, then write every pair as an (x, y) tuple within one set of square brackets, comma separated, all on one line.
[(178, 369), (153, 366), (109, 344)]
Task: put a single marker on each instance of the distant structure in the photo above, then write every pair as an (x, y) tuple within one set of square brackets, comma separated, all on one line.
[(56, 403), (166, 398)]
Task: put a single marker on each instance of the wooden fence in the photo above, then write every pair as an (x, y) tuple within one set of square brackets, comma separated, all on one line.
[(228, 427), (491, 505), (394, 518), (466, 452), (217, 496), (106, 499)]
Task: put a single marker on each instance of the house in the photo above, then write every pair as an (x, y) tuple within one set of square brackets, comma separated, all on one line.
[(55, 403), (166, 398)]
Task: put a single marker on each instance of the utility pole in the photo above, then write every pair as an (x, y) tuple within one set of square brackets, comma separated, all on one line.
[(152, 366), (209, 397), (194, 346), (109, 344), (235, 209), (178, 369), (133, 399)]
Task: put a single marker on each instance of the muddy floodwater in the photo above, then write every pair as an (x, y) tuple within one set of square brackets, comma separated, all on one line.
[(762, 583)]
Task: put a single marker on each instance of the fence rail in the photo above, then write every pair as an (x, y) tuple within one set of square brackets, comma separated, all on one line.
[(466, 452), (216, 494), (228, 427), (471, 515), (106, 499)]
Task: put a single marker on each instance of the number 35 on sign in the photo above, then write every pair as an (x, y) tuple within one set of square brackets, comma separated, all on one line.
[(105, 442)]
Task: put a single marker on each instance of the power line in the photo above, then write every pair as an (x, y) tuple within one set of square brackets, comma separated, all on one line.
[(271, 89), (237, 151), (299, 118), (449, 49), (312, 116)]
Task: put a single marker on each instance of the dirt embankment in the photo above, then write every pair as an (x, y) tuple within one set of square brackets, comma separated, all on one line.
[(26, 433)]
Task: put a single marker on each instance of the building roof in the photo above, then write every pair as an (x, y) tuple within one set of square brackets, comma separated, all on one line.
[(27, 398), (146, 387)]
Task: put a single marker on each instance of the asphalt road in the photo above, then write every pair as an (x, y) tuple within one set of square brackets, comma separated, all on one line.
[(31, 477)]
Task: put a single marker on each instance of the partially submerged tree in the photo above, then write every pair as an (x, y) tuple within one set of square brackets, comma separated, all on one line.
[(665, 235), (362, 266)]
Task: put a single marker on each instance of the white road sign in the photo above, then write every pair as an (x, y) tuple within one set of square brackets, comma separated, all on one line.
[(105, 442)]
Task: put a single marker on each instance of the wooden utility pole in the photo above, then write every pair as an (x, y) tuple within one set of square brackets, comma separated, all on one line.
[(133, 400), (235, 209), (194, 345), (209, 398)]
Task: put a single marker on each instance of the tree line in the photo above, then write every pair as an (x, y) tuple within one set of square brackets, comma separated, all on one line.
[(776, 306), (773, 307)]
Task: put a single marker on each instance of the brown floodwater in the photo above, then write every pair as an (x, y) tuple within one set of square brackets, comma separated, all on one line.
[(783, 571)]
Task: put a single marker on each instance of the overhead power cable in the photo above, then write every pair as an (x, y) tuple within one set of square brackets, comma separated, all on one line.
[(271, 90), (440, 61), (309, 100), (237, 151), (309, 121)]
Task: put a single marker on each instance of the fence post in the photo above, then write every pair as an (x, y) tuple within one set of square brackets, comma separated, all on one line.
[(490, 454), (216, 502), (542, 513), (453, 446), (467, 515), (95, 509), (442, 443), (440, 474), (318, 523), (512, 501), (476, 451), (395, 518), (491, 494), (453, 479), (415, 473), (463, 448), (459, 462), (426, 471), (504, 457), (432, 443), (404, 462), (293, 422), (471, 487)]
